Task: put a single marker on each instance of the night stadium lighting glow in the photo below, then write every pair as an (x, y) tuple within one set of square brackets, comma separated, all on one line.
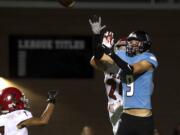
[(4, 83), (9, 83)]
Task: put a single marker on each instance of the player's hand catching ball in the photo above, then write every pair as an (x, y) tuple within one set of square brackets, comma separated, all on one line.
[(108, 42), (108, 39)]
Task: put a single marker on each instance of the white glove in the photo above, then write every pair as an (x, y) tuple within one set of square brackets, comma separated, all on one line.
[(108, 39), (96, 25)]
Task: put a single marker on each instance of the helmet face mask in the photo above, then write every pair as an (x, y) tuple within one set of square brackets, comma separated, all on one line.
[(133, 47), (12, 99), (144, 43)]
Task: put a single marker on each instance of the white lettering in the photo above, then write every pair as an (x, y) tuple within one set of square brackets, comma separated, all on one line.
[(35, 44), (69, 44)]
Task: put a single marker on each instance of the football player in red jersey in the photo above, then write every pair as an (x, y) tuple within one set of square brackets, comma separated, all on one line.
[(15, 117), (111, 78)]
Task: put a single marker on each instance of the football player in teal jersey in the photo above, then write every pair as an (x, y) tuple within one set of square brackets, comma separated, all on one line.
[(137, 64)]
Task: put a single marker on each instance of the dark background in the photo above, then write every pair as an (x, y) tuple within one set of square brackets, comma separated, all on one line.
[(83, 101), (32, 56)]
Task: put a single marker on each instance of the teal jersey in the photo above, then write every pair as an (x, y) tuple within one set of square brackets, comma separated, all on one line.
[(137, 89)]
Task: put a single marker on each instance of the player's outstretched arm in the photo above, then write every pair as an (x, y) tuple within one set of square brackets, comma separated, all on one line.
[(97, 64), (96, 25), (46, 115)]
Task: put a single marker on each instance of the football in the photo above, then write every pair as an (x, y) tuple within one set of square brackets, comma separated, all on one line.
[(67, 3)]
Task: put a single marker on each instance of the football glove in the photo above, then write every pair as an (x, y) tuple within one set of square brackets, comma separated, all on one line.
[(95, 24), (52, 96), (108, 42), (108, 39)]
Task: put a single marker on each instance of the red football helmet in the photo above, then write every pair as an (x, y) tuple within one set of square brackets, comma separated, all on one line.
[(12, 99)]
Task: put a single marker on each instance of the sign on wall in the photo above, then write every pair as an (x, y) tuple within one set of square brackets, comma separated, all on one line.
[(50, 57)]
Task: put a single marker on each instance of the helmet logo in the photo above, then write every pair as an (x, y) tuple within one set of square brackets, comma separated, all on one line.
[(8, 98), (12, 105)]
